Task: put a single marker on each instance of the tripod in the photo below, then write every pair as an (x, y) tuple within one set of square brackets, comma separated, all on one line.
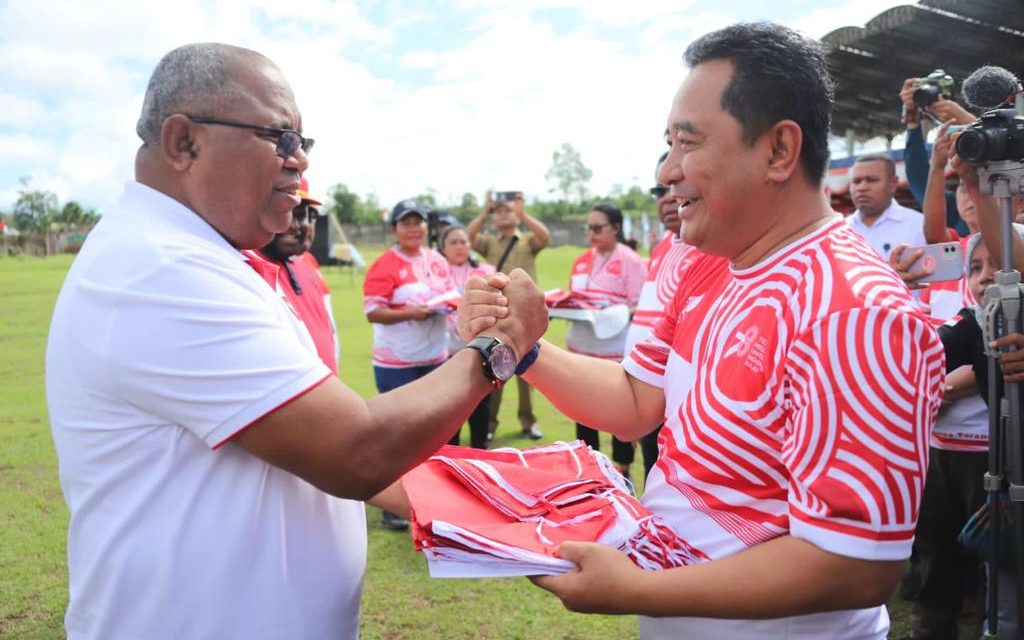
[(1004, 179)]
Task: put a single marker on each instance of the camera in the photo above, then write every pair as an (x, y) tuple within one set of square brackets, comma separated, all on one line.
[(929, 89), (998, 135)]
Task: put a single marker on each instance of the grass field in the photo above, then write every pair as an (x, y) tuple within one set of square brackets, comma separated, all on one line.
[(400, 601)]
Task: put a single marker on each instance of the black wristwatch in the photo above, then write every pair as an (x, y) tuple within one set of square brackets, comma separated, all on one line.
[(499, 359)]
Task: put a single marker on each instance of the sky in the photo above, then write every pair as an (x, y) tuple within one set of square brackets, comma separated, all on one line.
[(403, 98)]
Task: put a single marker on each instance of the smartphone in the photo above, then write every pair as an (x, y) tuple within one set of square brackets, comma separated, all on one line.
[(944, 259), (501, 197)]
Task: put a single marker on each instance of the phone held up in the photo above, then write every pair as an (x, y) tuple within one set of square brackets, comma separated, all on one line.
[(944, 260), (502, 197)]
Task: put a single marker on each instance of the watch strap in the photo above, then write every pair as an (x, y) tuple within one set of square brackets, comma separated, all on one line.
[(528, 359)]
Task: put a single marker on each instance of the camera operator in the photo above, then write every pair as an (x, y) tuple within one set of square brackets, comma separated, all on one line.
[(990, 223), (941, 573), (915, 154), (511, 248)]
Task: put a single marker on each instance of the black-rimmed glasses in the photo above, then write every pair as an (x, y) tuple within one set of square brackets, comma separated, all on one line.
[(305, 212), (596, 228), (288, 140), (659, 192)]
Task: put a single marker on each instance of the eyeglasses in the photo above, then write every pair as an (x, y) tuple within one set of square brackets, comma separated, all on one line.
[(288, 140), (596, 228), (305, 212), (659, 192)]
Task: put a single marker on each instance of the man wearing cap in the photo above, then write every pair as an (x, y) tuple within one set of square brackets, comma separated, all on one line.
[(300, 280), (213, 466), (511, 248)]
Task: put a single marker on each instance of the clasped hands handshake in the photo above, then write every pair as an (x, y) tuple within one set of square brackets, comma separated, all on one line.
[(508, 307)]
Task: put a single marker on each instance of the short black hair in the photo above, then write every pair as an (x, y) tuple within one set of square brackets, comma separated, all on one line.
[(878, 157), (614, 217), (779, 74)]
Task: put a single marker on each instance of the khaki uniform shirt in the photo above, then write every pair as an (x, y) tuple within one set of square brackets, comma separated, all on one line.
[(492, 246)]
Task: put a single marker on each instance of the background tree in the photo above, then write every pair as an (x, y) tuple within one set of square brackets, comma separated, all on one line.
[(568, 174), (467, 208), (34, 209), (344, 205)]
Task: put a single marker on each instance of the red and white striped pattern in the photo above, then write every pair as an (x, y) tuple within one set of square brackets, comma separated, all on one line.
[(799, 398), (669, 259)]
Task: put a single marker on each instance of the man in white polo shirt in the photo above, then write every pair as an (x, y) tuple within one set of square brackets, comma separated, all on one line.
[(212, 464), (879, 219)]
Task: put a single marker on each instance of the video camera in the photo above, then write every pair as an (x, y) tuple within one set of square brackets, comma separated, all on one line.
[(998, 135), (929, 89)]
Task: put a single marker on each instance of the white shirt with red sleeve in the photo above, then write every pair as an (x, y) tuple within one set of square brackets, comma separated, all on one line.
[(617, 277), (669, 259), (164, 345), (394, 281), (963, 423), (799, 397)]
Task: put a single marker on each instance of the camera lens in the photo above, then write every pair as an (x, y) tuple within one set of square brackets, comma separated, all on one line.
[(926, 95), (981, 145)]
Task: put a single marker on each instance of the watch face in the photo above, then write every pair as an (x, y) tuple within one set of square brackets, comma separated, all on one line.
[(503, 362)]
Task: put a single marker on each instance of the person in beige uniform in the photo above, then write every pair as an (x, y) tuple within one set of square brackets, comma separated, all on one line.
[(510, 248)]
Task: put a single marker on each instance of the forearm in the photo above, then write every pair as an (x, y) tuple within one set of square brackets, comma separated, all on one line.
[(383, 315), (355, 448), (991, 224), (915, 160), (474, 226), (783, 577), (539, 230), (393, 499), (934, 207), (597, 393), (960, 383)]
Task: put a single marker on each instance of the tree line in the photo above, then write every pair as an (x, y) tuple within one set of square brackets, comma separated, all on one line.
[(568, 178), (37, 210)]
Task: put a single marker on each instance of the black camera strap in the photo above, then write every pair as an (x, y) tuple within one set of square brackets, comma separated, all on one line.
[(508, 250)]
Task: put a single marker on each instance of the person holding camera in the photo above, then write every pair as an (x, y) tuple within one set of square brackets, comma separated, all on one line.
[(917, 106), (510, 247), (409, 338)]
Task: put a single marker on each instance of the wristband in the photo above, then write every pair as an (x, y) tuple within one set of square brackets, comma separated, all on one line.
[(528, 359)]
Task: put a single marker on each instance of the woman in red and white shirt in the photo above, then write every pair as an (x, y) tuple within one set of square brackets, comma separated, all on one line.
[(613, 271), (410, 338), (454, 245)]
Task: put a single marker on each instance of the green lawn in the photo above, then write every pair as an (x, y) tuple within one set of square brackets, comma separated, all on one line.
[(399, 602)]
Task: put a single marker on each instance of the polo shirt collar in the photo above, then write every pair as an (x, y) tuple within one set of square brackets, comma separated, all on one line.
[(162, 209)]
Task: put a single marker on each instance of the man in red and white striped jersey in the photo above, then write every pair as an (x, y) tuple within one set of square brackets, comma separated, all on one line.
[(795, 375)]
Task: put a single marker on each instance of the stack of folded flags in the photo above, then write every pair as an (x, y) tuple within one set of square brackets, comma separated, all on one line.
[(559, 299), (478, 513)]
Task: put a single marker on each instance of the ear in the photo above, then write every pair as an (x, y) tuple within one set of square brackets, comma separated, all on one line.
[(177, 142), (785, 140)]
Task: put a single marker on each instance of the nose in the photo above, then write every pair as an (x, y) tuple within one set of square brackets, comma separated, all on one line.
[(670, 171), (298, 161)]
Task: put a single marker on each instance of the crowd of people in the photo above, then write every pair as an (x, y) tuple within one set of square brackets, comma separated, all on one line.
[(783, 369)]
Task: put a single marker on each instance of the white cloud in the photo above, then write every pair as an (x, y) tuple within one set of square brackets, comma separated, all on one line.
[(392, 114), (21, 148)]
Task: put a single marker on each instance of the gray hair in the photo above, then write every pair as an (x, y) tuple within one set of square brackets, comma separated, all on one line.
[(194, 79)]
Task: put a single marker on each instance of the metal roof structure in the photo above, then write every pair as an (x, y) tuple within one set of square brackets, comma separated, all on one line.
[(870, 63)]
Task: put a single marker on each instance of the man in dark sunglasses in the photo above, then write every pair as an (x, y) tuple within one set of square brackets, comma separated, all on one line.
[(300, 280), (212, 463)]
